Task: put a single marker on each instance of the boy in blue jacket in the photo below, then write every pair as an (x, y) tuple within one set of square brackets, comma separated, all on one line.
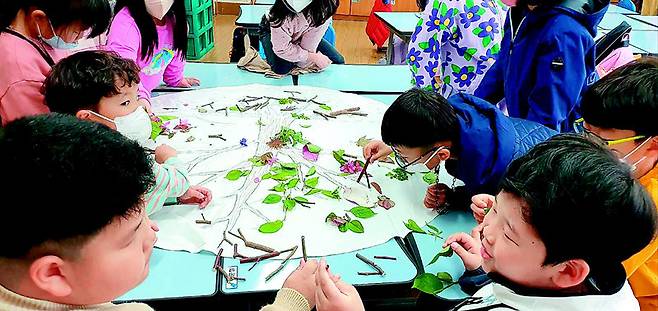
[(474, 139), (546, 60)]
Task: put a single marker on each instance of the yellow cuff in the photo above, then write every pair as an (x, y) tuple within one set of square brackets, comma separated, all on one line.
[(291, 300)]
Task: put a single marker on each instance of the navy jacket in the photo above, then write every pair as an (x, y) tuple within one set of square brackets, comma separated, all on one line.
[(546, 62), (488, 142)]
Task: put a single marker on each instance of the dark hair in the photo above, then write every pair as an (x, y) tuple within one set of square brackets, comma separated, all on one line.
[(318, 12), (422, 4), (92, 14), (82, 79), (626, 99), (575, 192), (146, 25), (65, 180), (419, 118)]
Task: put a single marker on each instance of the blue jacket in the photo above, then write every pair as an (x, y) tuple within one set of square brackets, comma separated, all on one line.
[(544, 68), (488, 142)]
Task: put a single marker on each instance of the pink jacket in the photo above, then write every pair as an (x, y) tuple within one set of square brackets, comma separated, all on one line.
[(295, 38)]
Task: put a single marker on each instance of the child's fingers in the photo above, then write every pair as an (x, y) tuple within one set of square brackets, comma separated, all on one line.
[(346, 289), (462, 239), (476, 233), (460, 251), (193, 81), (477, 209), (323, 281)]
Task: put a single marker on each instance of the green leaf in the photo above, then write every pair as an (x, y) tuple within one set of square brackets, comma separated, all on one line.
[(424, 45), (480, 11), (434, 229), (455, 68), (289, 204), (414, 69), (486, 41), (362, 212), (342, 228), (338, 155), (446, 251), (305, 126), (280, 188), (495, 49), (470, 68), (272, 199), (155, 130), (266, 176), (234, 175), (292, 183), (445, 277), (311, 171), (331, 216), (271, 227), (325, 107), (313, 191), (436, 4), (301, 200), (469, 53), (443, 9), (477, 31), (436, 257), (469, 3), (311, 182), (355, 226), (290, 165), (428, 283), (430, 178), (313, 148), (331, 194), (246, 173), (413, 226), (233, 108)]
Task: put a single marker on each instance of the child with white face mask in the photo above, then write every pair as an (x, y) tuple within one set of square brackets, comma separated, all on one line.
[(34, 35), (106, 92), (152, 33), (291, 35)]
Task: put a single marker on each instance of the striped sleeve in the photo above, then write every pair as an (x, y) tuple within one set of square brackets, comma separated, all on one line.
[(170, 182)]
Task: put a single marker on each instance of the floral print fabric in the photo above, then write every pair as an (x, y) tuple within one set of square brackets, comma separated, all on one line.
[(454, 44)]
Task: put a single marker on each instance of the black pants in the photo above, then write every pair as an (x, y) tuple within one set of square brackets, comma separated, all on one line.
[(282, 66)]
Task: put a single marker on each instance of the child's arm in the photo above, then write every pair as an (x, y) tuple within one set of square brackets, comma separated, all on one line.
[(424, 56), (173, 74), (561, 75), (22, 99), (170, 181), (492, 86), (283, 46), (298, 291)]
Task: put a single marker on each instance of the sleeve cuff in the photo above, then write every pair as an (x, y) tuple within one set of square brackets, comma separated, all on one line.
[(291, 300)]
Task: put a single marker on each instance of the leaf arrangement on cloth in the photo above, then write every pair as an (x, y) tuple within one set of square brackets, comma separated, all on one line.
[(399, 174)]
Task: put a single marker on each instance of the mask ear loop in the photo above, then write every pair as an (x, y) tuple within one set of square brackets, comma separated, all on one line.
[(101, 116)]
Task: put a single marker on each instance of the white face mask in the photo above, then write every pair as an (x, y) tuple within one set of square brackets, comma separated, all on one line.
[(298, 5), (136, 125), (422, 167), (56, 42), (158, 8), (634, 165)]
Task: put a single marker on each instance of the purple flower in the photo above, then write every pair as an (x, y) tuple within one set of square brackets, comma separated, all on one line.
[(273, 160), (445, 36), (457, 35), (489, 57), (243, 142), (413, 58), (480, 67), (434, 22), (446, 21), (434, 48), (414, 36), (464, 77), (308, 155), (351, 167), (469, 16), (488, 28), (419, 80), (432, 68), (446, 61), (257, 180)]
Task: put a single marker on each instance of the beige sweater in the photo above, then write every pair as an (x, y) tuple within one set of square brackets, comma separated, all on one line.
[(286, 300)]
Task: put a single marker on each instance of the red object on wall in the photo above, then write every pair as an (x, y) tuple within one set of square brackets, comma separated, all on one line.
[(375, 29)]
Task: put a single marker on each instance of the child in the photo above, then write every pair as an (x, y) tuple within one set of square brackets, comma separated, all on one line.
[(85, 238), (546, 60), (153, 33), (474, 139), (102, 87), (542, 241), (454, 44), (33, 35), (291, 35), (619, 110)]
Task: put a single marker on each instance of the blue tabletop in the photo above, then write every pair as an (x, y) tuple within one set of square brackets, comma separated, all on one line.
[(619, 10), (402, 23), (385, 99), (429, 246), (651, 20), (251, 15), (393, 79), (401, 270), (215, 75), (176, 275), (645, 40), (270, 2), (611, 21)]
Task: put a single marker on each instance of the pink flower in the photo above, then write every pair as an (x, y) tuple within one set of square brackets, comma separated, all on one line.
[(273, 160), (351, 167), (308, 155), (257, 180)]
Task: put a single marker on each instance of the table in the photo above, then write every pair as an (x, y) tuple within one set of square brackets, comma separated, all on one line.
[(619, 10), (611, 21), (251, 15), (362, 79), (426, 247), (385, 99), (642, 42), (651, 20), (214, 75), (265, 2), (401, 24)]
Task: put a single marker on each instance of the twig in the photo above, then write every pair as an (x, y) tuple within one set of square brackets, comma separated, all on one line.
[(170, 108), (264, 256), (322, 114), (203, 221), (255, 263), (250, 244), (217, 259), (225, 274), (386, 257), (223, 109), (283, 264), (363, 171), (369, 273), (208, 105), (370, 263), (220, 136), (235, 252), (349, 156), (304, 248), (225, 239)]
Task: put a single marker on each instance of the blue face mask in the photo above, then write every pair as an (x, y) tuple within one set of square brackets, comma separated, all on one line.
[(56, 42)]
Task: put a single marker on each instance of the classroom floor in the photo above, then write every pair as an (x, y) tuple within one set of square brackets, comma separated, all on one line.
[(351, 41)]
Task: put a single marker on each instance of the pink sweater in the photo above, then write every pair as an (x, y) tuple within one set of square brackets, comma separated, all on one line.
[(166, 64), (295, 38), (22, 71)]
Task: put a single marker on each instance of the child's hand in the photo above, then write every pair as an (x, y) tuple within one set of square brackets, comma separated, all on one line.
[(196, 195), (319, 60), (467, 247), (481, 205), (164, 152), (332, 294), (303, 280), (188, 82), (377, 149), (435, 196)]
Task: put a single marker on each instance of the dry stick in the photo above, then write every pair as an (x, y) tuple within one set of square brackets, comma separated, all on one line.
[(344, 111), (255, 263), (370, 263), (363, 172), (208, 105), (369, 273), (283, 264), (322, 114), (203, 220), (250, 244), (304, 249), (217, 259), (225, 239), (235, 252), (264, 256), (386, 257), (220, 136), (225, 274)]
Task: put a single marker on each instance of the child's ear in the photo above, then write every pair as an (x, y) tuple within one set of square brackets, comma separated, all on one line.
[(83, 115), (444, 154), (570, 273), (46, 274), (654, 144)]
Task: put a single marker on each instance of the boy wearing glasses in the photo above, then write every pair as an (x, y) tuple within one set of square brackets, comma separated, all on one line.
[(620, 111), (473, 137)]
